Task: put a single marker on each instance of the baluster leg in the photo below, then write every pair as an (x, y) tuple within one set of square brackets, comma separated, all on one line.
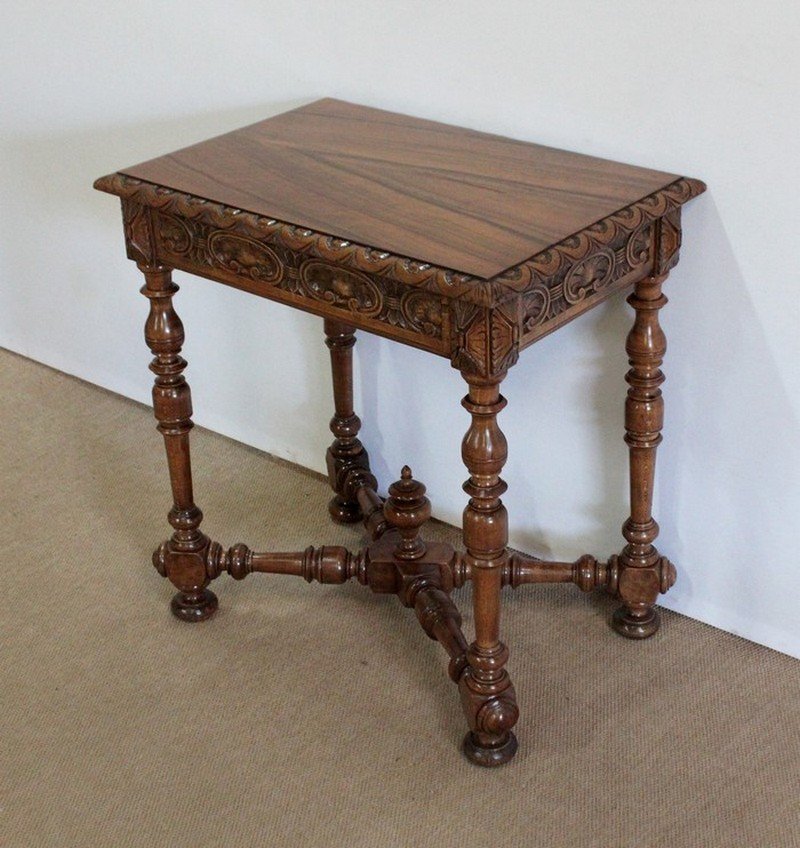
[(182, 557), (346, 453), (643, 573), (487, 693)]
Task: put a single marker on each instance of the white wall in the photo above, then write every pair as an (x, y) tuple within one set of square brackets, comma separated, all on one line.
[(707, 89)]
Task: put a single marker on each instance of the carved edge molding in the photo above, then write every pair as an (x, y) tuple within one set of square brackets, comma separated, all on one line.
[(442, 281)]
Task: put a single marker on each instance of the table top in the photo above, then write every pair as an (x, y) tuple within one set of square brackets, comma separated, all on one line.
[(458, 199)]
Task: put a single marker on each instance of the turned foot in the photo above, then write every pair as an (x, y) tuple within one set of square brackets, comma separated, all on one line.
[(489, 755), (636, 623), (194, 606), (344, 512)]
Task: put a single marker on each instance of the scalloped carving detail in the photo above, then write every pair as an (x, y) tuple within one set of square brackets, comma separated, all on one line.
[(422, 312), (537, 302), (341, 287), (174, 234), (194, 246), (589, 275)]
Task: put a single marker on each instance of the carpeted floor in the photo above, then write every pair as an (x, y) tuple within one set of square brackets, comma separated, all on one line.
[(322, 716)]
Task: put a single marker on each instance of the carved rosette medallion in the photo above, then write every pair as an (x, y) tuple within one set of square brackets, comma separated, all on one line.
[(422, 312), (245, 256), (174, 234), (341, 287)]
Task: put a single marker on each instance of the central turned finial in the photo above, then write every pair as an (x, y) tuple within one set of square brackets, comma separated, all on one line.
[(407, 509)]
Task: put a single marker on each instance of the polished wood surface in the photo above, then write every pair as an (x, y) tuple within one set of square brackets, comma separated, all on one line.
[(465, 200), (469, 201)]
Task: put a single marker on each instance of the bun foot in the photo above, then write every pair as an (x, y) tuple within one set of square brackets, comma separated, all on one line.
[(489, 756), (194, 606), (636, 624), (344, 512)]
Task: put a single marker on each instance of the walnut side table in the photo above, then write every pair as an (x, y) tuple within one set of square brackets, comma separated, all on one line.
[(467, 245)]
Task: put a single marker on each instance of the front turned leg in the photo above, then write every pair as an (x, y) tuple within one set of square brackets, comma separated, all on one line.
[(487, 693), (643, 572), (183, 557), (346, 454)]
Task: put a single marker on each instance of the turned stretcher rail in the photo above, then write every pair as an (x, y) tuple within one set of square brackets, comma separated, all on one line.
[(586, 572), (371, 505), (334, 564), (327, 564)]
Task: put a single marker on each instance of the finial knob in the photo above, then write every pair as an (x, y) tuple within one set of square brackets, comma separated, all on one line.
[(407, 509)]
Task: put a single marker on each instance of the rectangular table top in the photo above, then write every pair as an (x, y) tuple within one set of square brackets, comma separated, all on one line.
[(455, 198)]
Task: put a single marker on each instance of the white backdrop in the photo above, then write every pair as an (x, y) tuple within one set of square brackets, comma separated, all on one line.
[(704, 89)]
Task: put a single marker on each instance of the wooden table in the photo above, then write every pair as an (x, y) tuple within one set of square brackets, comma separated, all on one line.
[(467, 245)]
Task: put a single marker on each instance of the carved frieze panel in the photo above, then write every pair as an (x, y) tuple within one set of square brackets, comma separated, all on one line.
[(480, 324), (584, 269), (632, 226), (280, 273)]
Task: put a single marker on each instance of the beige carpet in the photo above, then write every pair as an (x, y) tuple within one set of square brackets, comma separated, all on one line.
[(321, 716)]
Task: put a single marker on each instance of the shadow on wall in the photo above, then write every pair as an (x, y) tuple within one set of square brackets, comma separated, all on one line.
[(730, 462)]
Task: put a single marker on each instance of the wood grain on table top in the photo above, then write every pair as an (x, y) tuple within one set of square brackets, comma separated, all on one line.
[(470, 201)]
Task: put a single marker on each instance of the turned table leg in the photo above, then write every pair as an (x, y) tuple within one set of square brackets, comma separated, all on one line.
[(346, 453), (182, 557), (643, 573), (487, 693)]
